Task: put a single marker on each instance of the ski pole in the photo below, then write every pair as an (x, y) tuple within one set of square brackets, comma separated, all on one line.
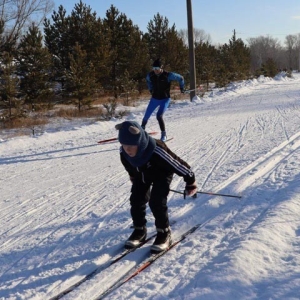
[(217, 194), (188, 91), (207, 193)]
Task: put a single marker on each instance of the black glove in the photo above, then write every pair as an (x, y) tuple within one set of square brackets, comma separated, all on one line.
[(182, 90)]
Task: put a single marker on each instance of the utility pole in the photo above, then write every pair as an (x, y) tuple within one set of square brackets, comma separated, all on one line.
[(299, 62), (191, 49)]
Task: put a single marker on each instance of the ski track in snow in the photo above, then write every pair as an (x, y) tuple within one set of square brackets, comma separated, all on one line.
[(65, 205)]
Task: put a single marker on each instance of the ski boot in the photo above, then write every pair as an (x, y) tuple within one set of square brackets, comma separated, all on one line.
[(137, 237), (163, 136), (163, 240)]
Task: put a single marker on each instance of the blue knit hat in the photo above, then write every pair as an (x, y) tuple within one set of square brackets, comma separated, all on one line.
[(131, 133)]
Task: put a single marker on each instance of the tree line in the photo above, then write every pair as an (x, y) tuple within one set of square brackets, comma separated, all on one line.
[(74, 58)]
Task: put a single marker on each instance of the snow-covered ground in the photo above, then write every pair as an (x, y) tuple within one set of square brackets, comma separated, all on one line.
[(65, 209)]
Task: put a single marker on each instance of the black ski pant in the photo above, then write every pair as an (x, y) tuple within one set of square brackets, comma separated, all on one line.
[(156, 195)]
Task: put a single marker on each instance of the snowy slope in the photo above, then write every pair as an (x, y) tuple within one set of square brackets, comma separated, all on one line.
[(65, 209)]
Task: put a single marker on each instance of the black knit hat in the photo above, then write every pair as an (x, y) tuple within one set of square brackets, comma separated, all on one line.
[(157, 63)]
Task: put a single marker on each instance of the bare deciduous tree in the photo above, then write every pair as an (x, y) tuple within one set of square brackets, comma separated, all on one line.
[(292, 51), (17, 15), (263, 48), (200, 36)]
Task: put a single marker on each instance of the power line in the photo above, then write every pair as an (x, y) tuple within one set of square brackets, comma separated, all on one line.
[(246, 33)]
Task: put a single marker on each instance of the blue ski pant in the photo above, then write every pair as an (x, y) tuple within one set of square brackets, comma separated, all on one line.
[(162, 107)]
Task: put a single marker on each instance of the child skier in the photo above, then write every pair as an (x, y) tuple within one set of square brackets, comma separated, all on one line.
[(150, 165)]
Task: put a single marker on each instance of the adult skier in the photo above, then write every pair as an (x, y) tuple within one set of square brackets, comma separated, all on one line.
[(159, 84)]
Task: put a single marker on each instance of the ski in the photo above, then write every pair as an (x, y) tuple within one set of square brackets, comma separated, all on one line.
[(167, 140), (99, 269), (115, 139), (146, 263)]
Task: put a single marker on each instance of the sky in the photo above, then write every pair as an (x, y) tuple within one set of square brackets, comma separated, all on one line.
[(64, 203), (218, 18)]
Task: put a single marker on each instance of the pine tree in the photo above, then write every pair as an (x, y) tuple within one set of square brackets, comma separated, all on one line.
[(164, 42), (56, 38), (2, 42), (34, 67), (129, 87), (82, 27), (176, 52), (269, 68), (9, 84), (85, 29), (126, 48), (156, 37), (234, 61), (206, 61), (139, 60), (81, 77)]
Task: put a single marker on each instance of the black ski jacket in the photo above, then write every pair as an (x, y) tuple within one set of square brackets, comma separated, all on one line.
[(162, 164), (160, 85)]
